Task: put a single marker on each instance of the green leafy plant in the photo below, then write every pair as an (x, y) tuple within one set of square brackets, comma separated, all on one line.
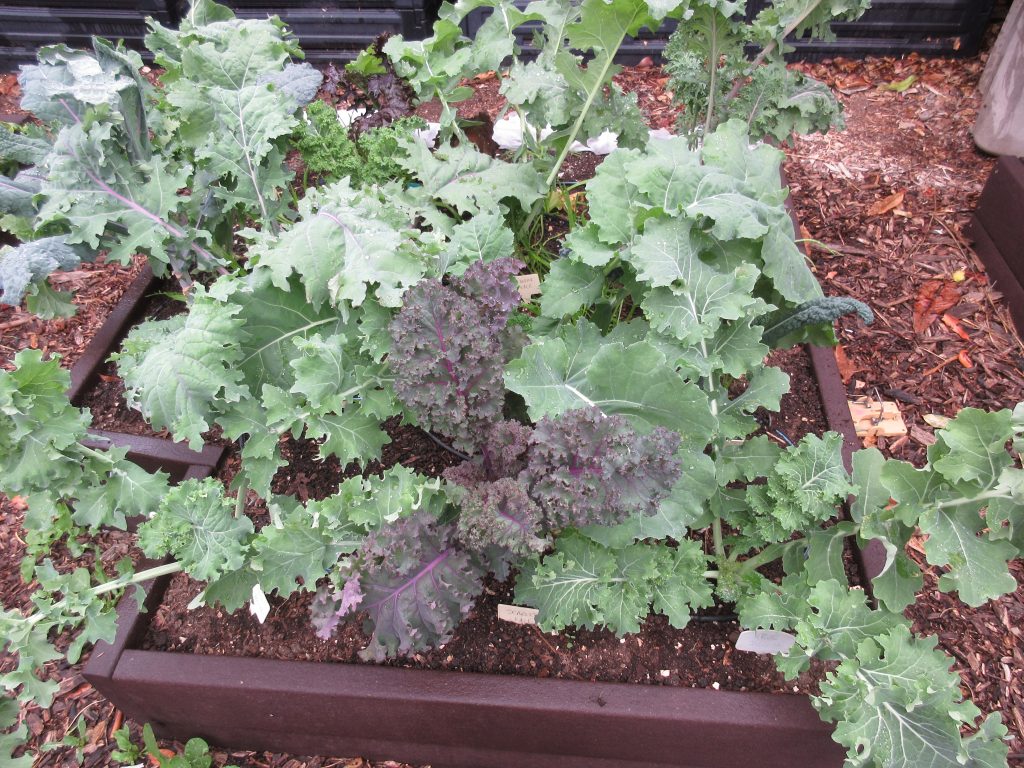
[(127, 752), (196, 754), (638, 428), (711, 77), (170, 172), (331, 152)]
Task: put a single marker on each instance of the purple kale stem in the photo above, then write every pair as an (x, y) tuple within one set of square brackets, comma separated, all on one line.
[(427, 569), (136, 207), (447, 363), (71, 112)]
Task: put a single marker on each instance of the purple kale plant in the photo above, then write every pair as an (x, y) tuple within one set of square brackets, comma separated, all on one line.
[(451, 342)]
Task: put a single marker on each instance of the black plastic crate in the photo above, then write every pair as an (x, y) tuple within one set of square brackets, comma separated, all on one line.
[(889, 28), (26, 25), (337, 30)]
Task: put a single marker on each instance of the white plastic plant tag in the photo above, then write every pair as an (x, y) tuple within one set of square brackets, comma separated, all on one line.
[(348, 116), (428, 135), (764, 641), (517, 614), (529, 286), (258, 606), (603, 144)]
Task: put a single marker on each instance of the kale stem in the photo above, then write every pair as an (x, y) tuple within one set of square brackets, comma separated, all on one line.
[(111, 586), (716, 531), (240, 497), (769, 554)]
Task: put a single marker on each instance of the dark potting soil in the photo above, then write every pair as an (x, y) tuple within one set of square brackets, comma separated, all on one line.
[(702, 655)]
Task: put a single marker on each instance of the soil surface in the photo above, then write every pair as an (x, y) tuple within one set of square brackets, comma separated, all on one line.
[(883, 206), (96, 287)]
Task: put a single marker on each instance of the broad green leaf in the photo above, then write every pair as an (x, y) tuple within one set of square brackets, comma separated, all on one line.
[(765, 388), (694, 309), (295, 550), (569, 287), (470, 181), (485, 237), (871, 493), (30, 263), (976, 441), (669, 252), (978, 568), (613, 200), (578, 369)]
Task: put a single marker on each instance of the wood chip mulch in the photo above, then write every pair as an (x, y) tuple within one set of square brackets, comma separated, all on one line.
[(883, 206)]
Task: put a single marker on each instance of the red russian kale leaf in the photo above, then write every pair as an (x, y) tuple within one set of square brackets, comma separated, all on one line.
[(451, 342), (412, 580)]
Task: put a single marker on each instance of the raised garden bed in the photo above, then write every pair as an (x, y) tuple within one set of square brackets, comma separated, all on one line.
[(449, 718), (997, 228), (25, 26)]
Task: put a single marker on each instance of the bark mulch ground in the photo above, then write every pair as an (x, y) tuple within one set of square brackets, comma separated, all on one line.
[(883, 206)]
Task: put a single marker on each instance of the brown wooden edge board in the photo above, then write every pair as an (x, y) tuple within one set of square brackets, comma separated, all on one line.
[(86, 370), (997, 229), (458, 718), (154, 453)]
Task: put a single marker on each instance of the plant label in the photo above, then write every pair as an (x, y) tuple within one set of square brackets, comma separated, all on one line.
[(764, 641), (517, 614), (529, 286)]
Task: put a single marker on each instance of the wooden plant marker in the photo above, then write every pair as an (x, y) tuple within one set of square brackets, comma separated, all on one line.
[(529, 286), (878, 418)]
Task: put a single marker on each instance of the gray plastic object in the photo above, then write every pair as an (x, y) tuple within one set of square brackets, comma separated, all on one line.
[(999, 128)]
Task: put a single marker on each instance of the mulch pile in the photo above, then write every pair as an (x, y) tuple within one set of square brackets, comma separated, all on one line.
[(883, 207)]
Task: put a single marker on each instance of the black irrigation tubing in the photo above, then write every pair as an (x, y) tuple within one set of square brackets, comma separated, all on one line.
[(720, 617), (445, 445)]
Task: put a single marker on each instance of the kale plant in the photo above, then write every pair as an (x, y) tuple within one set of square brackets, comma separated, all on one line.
[(331, 152), (556, 90), (169, 171), (712, 79)]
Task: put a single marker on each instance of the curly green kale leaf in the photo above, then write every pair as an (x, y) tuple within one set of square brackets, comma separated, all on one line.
[(468, 180), (803, 488), (778, 102), (197, 526), (896, 702), (586, 585), (346, 245), (967, 500)]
